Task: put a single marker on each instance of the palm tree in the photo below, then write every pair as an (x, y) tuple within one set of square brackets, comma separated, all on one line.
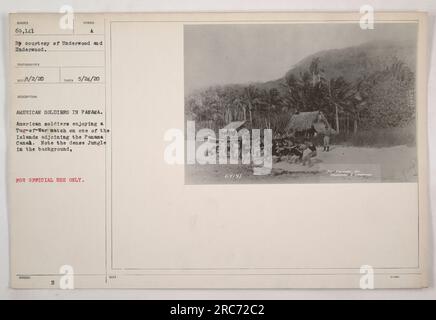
[(341, 95), (293, 96), (315, 71), (252, 97), (271, 100)]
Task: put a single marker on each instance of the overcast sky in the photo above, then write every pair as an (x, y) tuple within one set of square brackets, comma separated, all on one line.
[(224, 54)]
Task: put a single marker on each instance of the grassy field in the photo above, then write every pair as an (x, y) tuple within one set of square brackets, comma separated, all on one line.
[(341, 164)]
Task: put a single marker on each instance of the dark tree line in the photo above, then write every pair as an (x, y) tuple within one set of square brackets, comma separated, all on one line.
[(383, 99)]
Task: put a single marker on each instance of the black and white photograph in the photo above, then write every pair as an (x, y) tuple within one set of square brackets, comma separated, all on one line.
[(237, 152), (325, 103)]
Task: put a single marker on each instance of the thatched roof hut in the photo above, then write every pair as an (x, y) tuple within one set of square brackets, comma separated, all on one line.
[(307, 121)]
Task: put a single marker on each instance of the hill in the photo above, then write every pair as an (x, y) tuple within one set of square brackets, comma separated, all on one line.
[(353, 63)]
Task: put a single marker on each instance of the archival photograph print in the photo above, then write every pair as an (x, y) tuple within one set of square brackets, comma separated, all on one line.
[(300, 103)]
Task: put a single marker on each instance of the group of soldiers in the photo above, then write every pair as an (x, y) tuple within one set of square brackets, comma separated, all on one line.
[(295, 150)]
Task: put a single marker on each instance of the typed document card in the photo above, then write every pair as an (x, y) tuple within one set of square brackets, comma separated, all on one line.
[(218, 150)]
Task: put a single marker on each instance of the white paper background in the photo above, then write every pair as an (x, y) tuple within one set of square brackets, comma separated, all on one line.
[(206, 5)]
